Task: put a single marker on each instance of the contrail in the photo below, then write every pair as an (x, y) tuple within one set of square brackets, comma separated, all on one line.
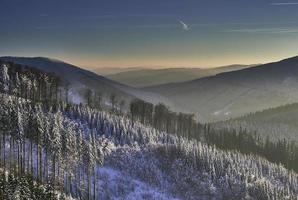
[(184, 26), (284, 4)]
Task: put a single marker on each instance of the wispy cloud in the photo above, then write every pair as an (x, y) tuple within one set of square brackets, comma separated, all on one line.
[(284, 3), (184, 25), (264, 30)]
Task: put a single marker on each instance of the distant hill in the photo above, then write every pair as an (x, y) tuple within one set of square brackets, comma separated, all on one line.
[(275, 123), (80, 79), (149, 77), (105, 71), (232, 94)]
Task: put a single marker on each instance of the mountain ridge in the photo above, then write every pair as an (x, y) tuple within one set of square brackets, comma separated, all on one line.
[(81, 79), (232, 94), (150, 77)]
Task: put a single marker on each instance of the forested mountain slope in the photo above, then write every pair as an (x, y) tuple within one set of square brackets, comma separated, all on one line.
[(80, 80), (276, 123), (236, 93), (94, 154)]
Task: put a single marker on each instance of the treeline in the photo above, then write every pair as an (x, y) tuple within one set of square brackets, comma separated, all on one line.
[(280, 151), (38, 139), (30, 83), (163, 119), (39, 86), (95, 100)]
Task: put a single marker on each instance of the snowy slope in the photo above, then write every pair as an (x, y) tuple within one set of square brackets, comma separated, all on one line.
[(115, 184), (81, 79), (100, 155), (141, 162)]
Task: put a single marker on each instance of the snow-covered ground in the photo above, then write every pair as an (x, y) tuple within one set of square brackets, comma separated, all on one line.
[(139, 161), (116, 185)]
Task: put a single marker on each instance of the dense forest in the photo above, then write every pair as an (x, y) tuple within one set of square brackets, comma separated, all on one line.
[(160, 117), (55, 142), (277, 123)]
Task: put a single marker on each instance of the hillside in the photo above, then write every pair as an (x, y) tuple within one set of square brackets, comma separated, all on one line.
[(232, 94), (149, 77), (94, 154), (275, 123), (79, 80), (139, 162), (24, 187)]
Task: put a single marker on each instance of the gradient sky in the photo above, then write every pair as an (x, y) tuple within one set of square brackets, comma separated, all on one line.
[(150, 33)]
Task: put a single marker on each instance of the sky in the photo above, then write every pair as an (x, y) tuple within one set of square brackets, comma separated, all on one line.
[(150, 33)]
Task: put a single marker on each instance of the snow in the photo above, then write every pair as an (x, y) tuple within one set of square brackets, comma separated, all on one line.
[(225, 111), (143, 163), (132, 189)]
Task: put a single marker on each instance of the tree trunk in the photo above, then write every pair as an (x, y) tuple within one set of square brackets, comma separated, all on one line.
[(58, 172), (89, 184), (18, 157), (24, 156), (4, 145), (46, 166), (94, 183), (40, 162), (10, 153), (31, 157), (37, 162), (54, 169)]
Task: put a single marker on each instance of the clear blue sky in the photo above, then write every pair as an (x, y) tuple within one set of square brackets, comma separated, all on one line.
[(153, 33)]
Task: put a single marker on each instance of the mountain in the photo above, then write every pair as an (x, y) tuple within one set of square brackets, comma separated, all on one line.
[(139, 161), (80, 79), (91, 153), (232, 94), (149, 77)]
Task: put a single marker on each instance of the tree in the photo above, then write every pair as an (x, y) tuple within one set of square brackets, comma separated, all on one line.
[(4, 78), (88, 97), (66, 92), (121, 106), (97, 100), (113, 101)]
